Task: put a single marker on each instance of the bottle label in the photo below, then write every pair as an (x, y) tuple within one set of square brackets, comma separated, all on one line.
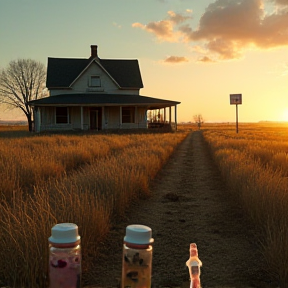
[(136, 268), (65, 268), (195, 270)]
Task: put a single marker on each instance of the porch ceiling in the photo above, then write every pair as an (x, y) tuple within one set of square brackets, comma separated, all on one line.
[(90, 99)]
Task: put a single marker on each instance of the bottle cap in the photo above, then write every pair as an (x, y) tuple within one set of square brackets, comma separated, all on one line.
[(64, 233), (193, 246), (193, 250), (138, 234)]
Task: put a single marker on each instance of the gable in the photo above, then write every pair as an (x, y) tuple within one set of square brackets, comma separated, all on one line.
[(62, 72), (83, 81)]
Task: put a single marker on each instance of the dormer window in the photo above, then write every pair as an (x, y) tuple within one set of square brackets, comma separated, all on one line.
[(95, 81)]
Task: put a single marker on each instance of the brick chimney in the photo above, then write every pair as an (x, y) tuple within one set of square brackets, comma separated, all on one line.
[(94, 53)]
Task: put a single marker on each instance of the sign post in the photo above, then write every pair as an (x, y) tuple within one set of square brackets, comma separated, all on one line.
[(236, 99)]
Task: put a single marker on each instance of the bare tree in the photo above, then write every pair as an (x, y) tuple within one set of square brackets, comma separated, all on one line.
[(22, 81), (198, 119)]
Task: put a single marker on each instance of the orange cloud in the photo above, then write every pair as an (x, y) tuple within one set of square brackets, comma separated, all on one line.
[(162, 29), (176, 59), (165, 29), (281, 2), (206, 59), (228, 27)]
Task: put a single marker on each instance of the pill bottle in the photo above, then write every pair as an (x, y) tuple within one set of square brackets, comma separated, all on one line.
[(137, 257), (64, 256)]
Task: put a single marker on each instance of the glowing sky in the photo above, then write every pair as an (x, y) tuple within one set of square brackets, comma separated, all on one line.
[(192, 51)]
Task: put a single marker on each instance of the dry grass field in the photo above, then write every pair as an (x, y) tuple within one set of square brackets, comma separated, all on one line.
[(90, 179), (254, 163), (87, 179)]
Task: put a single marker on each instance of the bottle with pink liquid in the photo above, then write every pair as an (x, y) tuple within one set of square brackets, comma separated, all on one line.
[(64, 256), (194, 264), (137, 257)]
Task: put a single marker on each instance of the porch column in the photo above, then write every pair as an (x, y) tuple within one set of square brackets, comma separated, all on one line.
[(176, 117), (103, 118), (165, 115), (170, 115), (120, 115), (37, 119), (81, 118), (136, 120)]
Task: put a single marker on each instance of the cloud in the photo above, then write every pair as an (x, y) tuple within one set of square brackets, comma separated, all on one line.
[(206, 59), (175, 59), (177, 18), (281, 2), (164, 29), (228, 27), (229, 20)]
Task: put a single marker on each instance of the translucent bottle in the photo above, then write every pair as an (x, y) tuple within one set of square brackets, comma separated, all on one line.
[(137, 257), (194, 264), (64, 256)]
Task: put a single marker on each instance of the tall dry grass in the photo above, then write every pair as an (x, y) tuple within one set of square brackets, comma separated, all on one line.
[(254, 163), (88, 180)]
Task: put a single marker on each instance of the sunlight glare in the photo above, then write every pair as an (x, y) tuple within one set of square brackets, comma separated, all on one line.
[(285, 115)]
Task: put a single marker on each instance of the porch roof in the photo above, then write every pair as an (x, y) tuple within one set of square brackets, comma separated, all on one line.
[(92, 99)]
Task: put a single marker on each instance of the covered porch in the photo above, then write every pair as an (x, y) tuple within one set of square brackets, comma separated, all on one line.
[(162, 117), (102, 112)]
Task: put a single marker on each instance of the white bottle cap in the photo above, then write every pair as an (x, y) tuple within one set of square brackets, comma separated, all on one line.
[(138, 234), (64, 233)]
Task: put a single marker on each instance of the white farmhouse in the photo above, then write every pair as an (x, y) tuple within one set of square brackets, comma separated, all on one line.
[(94, 93)]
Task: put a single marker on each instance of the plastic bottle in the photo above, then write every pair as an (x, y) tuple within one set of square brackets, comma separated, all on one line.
[(137, 257), (194, 265), (64, 256)]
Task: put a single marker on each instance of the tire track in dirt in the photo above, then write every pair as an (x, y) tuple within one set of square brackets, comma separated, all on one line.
[(189, 203)]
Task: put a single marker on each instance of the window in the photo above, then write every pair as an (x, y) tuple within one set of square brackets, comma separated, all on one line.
[(95, 81), (128, 115), (62, 115)]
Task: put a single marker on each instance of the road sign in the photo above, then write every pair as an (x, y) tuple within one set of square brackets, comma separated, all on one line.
[(235, 99)]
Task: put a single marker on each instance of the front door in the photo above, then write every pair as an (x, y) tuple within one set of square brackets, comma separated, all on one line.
[(95, 118)]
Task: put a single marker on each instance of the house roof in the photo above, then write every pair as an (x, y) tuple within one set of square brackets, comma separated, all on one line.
[(91, 99), (61, 72)]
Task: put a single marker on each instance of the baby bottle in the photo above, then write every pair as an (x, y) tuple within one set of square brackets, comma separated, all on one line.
[(137, 257), (194, 264), (64, 256)]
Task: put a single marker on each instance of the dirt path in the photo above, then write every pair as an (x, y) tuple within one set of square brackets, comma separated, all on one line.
[(190, 203)]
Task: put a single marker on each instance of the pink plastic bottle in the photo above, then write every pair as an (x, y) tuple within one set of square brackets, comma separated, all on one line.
[(64, 256), (194, 265), (137, 257)]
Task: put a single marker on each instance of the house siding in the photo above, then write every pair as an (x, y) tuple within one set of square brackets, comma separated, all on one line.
[(114, 117), (110, 119), (75, 117)]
